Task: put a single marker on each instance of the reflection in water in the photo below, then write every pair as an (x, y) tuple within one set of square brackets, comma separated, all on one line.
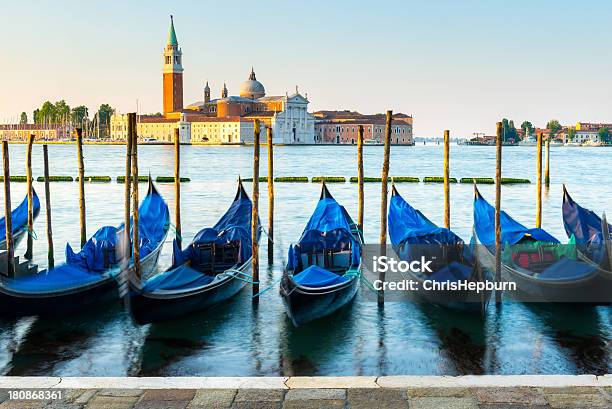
[(578, 330), (307, 349), (167, 344), (462, 337), (46, 344)]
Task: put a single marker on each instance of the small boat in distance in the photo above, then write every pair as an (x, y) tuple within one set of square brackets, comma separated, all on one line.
[(213, 268), (543, 269), (413, 236), (529, 141), (324, 267), (19, 220), (90, 276)]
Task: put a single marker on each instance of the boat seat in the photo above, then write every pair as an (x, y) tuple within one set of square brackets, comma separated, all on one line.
[(328, 259)]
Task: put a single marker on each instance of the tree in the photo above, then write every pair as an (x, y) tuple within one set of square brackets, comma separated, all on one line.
[(527, 128), (508, 130), (23, 119), (78, 114), (554, 126), (604, 135), (35, 116), (62, 111), (104, 114), (571, 134), (46, 114)]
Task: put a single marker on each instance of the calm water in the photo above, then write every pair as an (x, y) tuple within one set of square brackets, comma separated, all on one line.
[(237, 338)]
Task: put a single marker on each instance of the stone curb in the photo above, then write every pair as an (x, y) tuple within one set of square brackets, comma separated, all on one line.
[(303, 382)]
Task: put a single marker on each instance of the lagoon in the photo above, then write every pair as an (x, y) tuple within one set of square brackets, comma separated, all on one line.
[(239, 339)]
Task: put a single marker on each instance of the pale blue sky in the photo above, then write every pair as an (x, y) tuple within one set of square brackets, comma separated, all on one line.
[(460, 65)]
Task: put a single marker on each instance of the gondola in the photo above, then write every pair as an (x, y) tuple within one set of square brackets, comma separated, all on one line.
[(19, 219), (90, 276), (414, 236), (214, 267), (587, 229), (324, 267), (543, 269)]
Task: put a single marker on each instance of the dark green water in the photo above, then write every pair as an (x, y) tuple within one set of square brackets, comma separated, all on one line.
[(238, 338)]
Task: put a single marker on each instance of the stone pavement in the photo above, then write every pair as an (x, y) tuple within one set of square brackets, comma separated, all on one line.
[(587, 397)]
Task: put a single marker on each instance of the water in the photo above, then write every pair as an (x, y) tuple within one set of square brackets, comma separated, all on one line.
[(238, 339)]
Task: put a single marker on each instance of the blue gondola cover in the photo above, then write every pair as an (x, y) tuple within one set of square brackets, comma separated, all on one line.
[(233, 226), (19, 216), (582, 223), (91, 264), (512, 231)]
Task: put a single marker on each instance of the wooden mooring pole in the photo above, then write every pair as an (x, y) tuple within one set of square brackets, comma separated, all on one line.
[(383, 202), (8, 219), (255, 213), (446, 179), (30, 193), (50, 255), (270, 196), (498, 173), (547, 164), (539, 181), (127, 195), (135, 236), (360, 195), (79, 143), (177, 186)]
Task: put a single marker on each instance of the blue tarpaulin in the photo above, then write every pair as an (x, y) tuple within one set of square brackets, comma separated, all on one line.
[(63, 277), (512, 231), (100, 249), (582, 223), (329, 228), (19, 216), (409, 224), (92, 263), (182, 277), (315, 276), (233, 226)]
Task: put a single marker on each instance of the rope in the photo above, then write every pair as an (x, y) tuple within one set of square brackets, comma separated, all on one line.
[(274, 283), (33, 234), (176, 233)]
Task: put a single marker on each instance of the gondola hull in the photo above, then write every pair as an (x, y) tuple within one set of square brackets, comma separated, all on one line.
[(14, 303), (594, 288), (162, 306), (17, 236), (463, 300), (304, 304)]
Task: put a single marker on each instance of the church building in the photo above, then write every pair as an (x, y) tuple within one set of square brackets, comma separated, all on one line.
[(228, 119)]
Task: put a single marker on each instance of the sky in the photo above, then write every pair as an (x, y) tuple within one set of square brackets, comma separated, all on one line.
[(457, 65)]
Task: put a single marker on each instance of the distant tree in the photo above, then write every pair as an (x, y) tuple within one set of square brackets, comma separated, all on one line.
[(508, 130), (104, 115), (571, 134), (527, 128), (62, 112), (46, 114), (23, 119), (35, 116), (78, 114), (604, 135), (554, 126)]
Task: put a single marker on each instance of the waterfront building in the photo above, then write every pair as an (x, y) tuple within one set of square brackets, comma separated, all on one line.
[(47, 132), (228, 119), (340, 127)]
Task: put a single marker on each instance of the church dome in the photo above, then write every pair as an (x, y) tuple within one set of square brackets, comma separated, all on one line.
[(252, 88)]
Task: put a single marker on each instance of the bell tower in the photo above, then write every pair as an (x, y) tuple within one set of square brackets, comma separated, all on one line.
[(172, 74)]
